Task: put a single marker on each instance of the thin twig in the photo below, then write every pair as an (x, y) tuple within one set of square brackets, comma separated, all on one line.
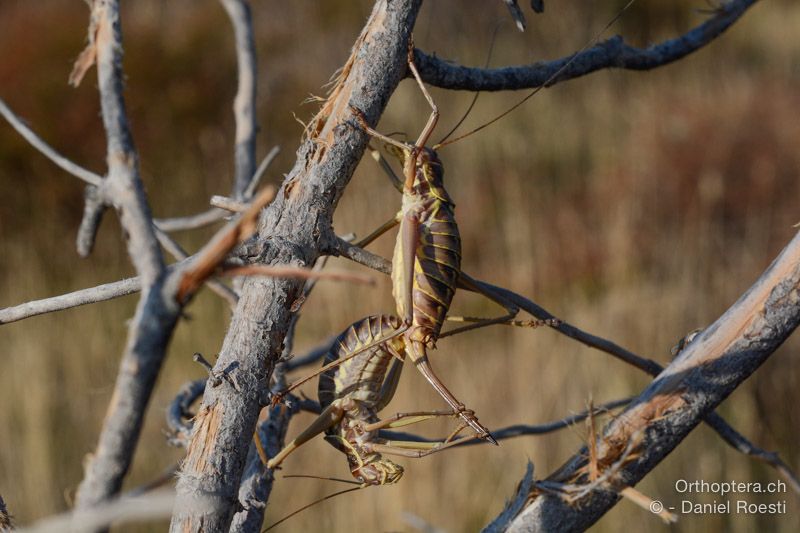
[(199, 220), (714, 420), (228, 204), (244, 104), (94, 205), (151, 506), (517, 430), (62, 162), (179, 414), (177, 251), (612, 53), (262, 169), (156, 315), (101, 293)]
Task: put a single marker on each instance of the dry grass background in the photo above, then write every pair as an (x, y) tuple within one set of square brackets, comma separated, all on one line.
[(636, 205)]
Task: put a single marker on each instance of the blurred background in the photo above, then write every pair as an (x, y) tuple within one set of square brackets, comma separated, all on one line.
[(637, 206)]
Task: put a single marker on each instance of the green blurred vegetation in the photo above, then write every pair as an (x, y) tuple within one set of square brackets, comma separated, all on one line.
[(636, 205)]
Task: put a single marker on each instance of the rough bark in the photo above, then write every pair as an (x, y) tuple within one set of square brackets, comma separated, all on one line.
[(293, 230), (698, 380)]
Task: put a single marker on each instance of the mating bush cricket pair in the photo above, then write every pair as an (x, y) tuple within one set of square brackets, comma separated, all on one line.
[(356, 381)]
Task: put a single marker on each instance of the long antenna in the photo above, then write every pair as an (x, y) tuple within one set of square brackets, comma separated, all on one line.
[(329, 496), (308, 476), (548, 81), (477, 93)]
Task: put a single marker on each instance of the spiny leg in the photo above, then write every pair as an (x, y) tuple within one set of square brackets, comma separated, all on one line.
[(415, 450), (387, 168), (331, 416), (419, 356), (465, 282), (480, 322), (406, 419), (383, 228), (434, 118)]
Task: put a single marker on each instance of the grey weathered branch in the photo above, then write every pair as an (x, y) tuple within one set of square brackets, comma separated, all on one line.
[(94, 206), (715, 421), (689, 389), (198, 220), (260, 171), (153, 505), (294, 229), (157, 313), (518, 430), (62, 162), (257, 481), (177, 251), (178, 412), (92, 295), (612, 53), (213, 215), (244, 105)]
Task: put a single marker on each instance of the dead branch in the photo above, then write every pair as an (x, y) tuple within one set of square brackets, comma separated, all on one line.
[(179, 414), (698, 380), (715, 421), (147, 507), (244, 105), (199, 220), (93, 208), (297, 225), (213, 215), (260, 171), (176, 250), (612, 53), (101, 293), (156, 315), (517, 430), (62, 162)]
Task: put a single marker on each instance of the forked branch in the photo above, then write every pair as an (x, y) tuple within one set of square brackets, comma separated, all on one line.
[(612, 53), (698, 380)]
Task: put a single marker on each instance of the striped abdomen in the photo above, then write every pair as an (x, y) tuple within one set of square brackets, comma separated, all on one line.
[(362, 376), (436, 269)]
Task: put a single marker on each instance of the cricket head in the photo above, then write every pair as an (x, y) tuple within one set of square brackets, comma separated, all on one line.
[(378, 471)]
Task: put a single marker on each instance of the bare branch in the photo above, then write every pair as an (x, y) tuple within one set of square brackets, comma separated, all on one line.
[(518, 430), (93, 208), (715, 421), (147, 507), (92, 295), (244, 105), (698, 380), (612, 53), (157, 312), (62, 162), (262, 169), (206, 218), (213, 253), (228, 204), (216, 286), (294, 229), (178, 412), (513, 507)]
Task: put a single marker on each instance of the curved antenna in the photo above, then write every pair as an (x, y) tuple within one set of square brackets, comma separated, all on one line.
[(548, 81), (323, 478), (477, 93), (303, 508)]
